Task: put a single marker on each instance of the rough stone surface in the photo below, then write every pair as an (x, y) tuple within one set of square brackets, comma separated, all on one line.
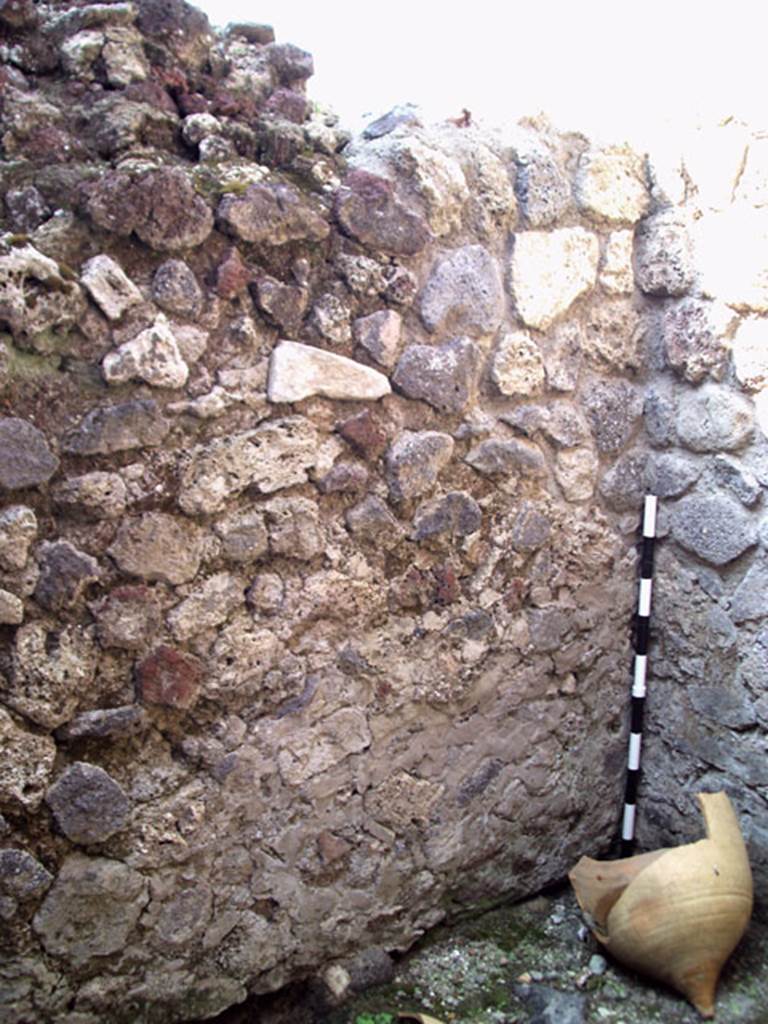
[(51, 672), (128, 617), (737, 479), (457, 515), (278, 454), (379, 335), (713, 419), (576, 472), (157, 546), (176, 216), (414, 462), (34, 297), (497, 457), (613, 410), (610, 186), (22, 876), (663, 254), (614, 336), (111, 723), (207, 606), (26, 459), (750, 599), (91, 908), (27, 760), (18, 529), (442, 375), (518, 367), (671, 475), (65, 573), (542, 187), (368, 209), (299, 371), (464, 293), (96, 495), (616, 273), (109, 286), (152, 356), (549, 271), (11, 609), (272, 215), (87, 803), (175, 289), (715, 528), (118, 428), (695, 338), (623, 486), (169, 678)]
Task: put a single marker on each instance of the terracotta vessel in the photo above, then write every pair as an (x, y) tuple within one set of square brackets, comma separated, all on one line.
[(674, 914)]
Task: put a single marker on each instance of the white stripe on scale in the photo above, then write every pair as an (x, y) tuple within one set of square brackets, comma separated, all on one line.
[(644, 601)]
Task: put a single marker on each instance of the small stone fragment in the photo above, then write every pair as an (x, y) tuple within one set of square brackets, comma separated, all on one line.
[(456, 514), (518, 368), (549, 271), (737, 479), (576, 472), (371, 520), (243, 536), (26, 459), (265, 595), (365, 434), (330, 317), (542, 188), (664, 254), (670, 475), (610, 186), (206, 607), (22, 877), (695, 338), (442, 375), (276, 454), (713, 419), (127, 618), (713, 527), (152, 356), (623, 486), (299, 371), (169, 678), (616, 274), (107, 724), (232, 275), (18, 529), (750, 600), (498, 457), (294, 529), (613, 408), (65, 573), (284, 304), (176, 216), (11, 609), (367, 208), (89, 806), (157, 546), (414, 461), (175, 289), (561, 352), (96, 495), (34, 297), (117, 428), (613, 335), (659, 413), (109, 286), (464, 293), (379, 335), (26, 764), (750, 354), (91, 908), (52, 669), (26, 209), (271, 215)]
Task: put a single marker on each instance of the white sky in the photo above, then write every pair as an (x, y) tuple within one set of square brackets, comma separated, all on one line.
[(612, 68)]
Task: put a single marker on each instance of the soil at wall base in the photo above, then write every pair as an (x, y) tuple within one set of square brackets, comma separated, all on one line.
[(526, 963)]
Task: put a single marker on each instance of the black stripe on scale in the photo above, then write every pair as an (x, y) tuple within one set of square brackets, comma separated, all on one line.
[(633, 782), (646, 558), (642, 633), (636, 719)]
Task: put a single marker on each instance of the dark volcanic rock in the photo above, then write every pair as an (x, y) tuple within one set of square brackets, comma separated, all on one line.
[(442, 375), (65, 572), (414, 462), (110, 723), (457, 514), (89, 806), (25, 458), (713, 527), (175, 289), (21, 876), (26, 209), (367, 209), (177, 217), (271, 215)]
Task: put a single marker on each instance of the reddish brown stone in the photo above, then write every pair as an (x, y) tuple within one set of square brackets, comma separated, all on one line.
[(365, 434), (232, 275), (192, 103), (152, 93), (368, 210), (53, 145), (288, 104), (515, 593), (169, 677), (447, 588), (410, 591), (331, 847)]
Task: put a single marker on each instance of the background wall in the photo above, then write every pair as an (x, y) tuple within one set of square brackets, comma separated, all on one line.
[(321, 465)]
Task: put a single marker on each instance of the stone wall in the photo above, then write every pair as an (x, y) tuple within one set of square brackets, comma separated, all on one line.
[(321, 464)]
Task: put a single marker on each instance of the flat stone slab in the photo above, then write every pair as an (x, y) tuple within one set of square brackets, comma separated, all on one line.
[(298, 371)]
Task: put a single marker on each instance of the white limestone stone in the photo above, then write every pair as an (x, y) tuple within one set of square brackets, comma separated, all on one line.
[(610, 185), (152, 356), (616, 275), (750, 354), (109, 286), (732, 257), (11, 609), (549, 270), (518, 367), (299, 371), (576, 472)]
